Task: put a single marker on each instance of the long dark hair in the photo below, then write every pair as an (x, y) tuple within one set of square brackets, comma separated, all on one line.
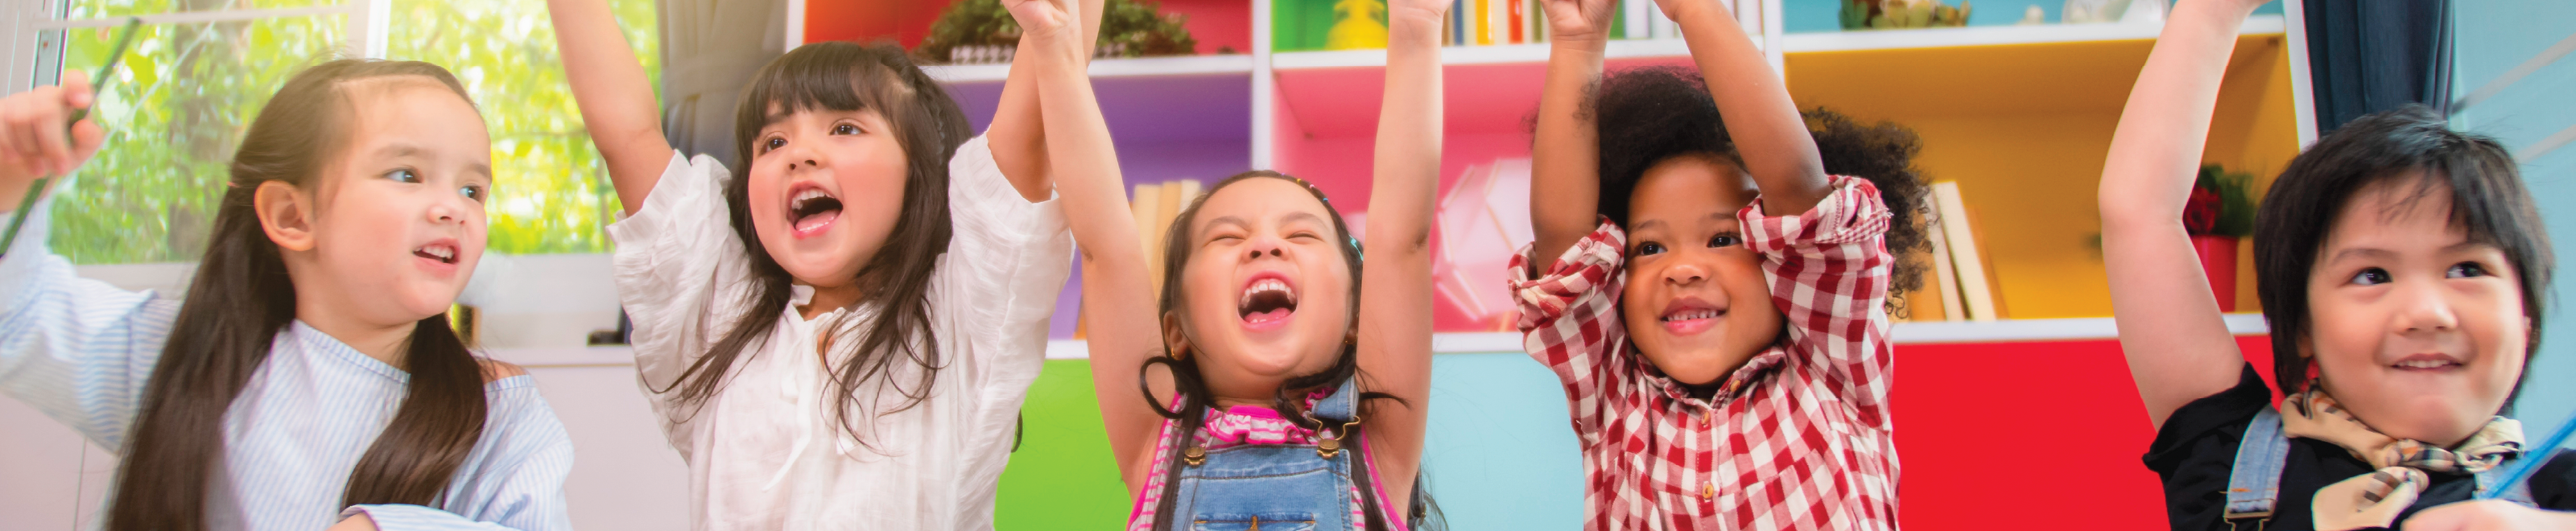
[(2488, 202), (1650, 114), (1290, 399), (841, 76), (239, 302)]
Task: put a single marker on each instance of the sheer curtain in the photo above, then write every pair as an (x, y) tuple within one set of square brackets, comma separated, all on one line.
[(710, 49)]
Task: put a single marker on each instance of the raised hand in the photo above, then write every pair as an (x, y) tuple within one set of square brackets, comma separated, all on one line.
[(1580, 20), (1044, 19), (34, 141)]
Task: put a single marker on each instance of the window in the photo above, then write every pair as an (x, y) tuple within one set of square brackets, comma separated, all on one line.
[(199, 70)]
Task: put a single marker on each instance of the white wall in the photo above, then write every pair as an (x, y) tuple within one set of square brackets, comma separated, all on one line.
[(2494, 37)]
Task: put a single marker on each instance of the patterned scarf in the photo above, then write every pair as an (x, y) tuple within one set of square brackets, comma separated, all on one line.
[(2375, 499)]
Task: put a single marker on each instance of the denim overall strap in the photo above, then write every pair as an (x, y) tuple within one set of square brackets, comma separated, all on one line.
[(2254, 484), (1342, 405), (2518, 493), (1275, 486)]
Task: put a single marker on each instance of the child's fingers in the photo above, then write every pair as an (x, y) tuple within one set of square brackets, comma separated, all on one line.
[(58, 148), (21, 120), (87, 136), (76, 90)]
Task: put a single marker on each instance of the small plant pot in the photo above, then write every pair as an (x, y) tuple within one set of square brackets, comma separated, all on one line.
[(2218, 261)]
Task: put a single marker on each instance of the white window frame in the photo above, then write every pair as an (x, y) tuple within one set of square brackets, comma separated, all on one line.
[(35, 33)]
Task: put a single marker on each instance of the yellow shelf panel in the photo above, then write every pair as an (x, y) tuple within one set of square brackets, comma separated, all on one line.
[(2024, 129)]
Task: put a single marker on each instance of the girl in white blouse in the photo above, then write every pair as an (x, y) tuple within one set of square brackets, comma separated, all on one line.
[(839, 329)]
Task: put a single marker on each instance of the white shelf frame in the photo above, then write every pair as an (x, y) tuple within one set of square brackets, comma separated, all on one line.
[(1934, 333), (1186, 65)]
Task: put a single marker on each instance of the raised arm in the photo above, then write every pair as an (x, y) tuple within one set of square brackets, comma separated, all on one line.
[(1765, 124), (616, 100), (1565, 158), (1018, 134), (2178, 347), (1122, 326), (1395, 287)]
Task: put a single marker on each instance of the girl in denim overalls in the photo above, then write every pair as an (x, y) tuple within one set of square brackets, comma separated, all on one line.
[(1293, 398)]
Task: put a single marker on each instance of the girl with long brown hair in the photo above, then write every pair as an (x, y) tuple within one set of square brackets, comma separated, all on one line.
[(837, 328), (309, 376)]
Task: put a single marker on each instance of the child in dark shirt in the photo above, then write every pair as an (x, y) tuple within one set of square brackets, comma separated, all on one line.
[(2401, 266)]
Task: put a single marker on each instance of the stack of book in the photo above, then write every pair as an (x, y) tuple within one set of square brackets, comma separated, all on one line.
[(1963, 286)]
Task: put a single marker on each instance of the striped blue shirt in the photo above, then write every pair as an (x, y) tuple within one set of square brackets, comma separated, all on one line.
[(82, 351)]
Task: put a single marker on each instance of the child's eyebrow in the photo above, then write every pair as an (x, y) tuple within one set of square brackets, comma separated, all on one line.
[(2362, 252), (401, 150), (1284, 219), (1652, 223), (1224, 220)]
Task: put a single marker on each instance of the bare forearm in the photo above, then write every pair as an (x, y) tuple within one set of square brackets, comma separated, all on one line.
[(2178, 345), (1565, 176), (1018, 135), (1407, 161), (616, 99), (1764, 122), (1117, 305), (2156, 149)]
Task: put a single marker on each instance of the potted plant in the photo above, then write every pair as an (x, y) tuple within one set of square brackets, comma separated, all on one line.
[(982, 32), (2219, 214)]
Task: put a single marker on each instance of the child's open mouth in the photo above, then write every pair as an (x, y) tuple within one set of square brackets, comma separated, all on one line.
[(1686, 316), (2429, 362), (1267, 302), (443, 253), (810, 210)]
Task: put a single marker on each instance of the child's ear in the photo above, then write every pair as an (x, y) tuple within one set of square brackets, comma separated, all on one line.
[(1176, 341), (286, 213)]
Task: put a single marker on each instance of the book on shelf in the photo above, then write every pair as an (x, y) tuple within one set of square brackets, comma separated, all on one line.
[(1640, 24), (1938, 298), (1518, 23), (1967, 256)]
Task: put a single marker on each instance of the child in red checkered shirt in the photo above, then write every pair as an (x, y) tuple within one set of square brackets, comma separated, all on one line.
[(1716, 300)]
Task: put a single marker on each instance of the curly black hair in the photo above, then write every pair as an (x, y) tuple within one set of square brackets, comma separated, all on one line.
[(1648, 115)]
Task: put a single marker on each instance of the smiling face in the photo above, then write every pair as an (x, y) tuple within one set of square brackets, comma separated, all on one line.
[(1696, 303), (2415, 328), (1266, 290), (400, 224), (825, 190)]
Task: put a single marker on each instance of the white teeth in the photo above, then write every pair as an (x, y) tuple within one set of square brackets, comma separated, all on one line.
[(1264, 286), (443, 253), (808, 194), (2424, 364), (1693, 314)]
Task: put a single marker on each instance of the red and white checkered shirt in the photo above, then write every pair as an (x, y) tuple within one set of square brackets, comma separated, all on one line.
[(1798, 438)]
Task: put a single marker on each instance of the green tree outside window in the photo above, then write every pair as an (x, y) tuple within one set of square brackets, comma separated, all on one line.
[(177, 109)]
